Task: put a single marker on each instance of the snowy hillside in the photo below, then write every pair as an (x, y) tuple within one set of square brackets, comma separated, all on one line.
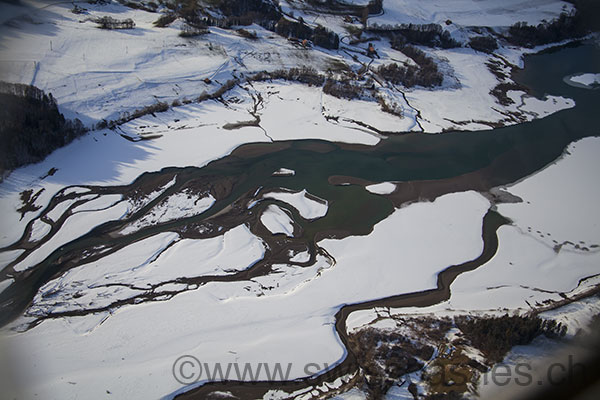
[(102, 74)]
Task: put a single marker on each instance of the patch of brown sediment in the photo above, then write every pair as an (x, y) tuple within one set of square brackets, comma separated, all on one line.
[(137, 192), (361, 147), (102, 240), (218, 187), (230, 126), (482, 180), (490, 124), (277, 249), (332, 234)]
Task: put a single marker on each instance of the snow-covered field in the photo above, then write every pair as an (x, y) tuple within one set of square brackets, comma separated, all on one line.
[(469, 12), (99, 74), (235, 324), (544, 254), (287, 324), (151, 263), (539, 356)]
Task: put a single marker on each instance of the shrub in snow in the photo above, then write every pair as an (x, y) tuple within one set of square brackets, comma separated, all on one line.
[(495, 336), (410, 75), (247, 34), (342, 89), (306, 75), (108, 22), (190, 31), (485, 44), (164, 20), (325, 38), (150, 6)]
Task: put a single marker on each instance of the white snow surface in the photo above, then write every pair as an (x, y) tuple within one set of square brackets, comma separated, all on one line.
[(542, 352), (565, 183), (146, 264), (100, 203), (287, 316), (302, 256), (277, 220), (284, 172), (410, 238), (381, 188), (98, 74), (178, 205), (465, 105), (39, 230), (469, 12), (308, 207)]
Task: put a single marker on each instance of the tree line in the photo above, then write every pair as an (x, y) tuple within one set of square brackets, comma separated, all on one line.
[(31, 126)]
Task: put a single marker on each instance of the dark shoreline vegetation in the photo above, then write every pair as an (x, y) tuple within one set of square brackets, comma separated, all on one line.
[(348, 87), (384, 356), (31, 127)]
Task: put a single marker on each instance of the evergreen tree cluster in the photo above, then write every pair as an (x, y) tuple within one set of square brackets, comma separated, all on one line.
[(430, 35), (31, 126), (485, 44), (566, 26), (320, 35), (495, 336)]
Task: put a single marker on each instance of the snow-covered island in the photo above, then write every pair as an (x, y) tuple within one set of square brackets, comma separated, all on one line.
[(348, 189), (588, 81)]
